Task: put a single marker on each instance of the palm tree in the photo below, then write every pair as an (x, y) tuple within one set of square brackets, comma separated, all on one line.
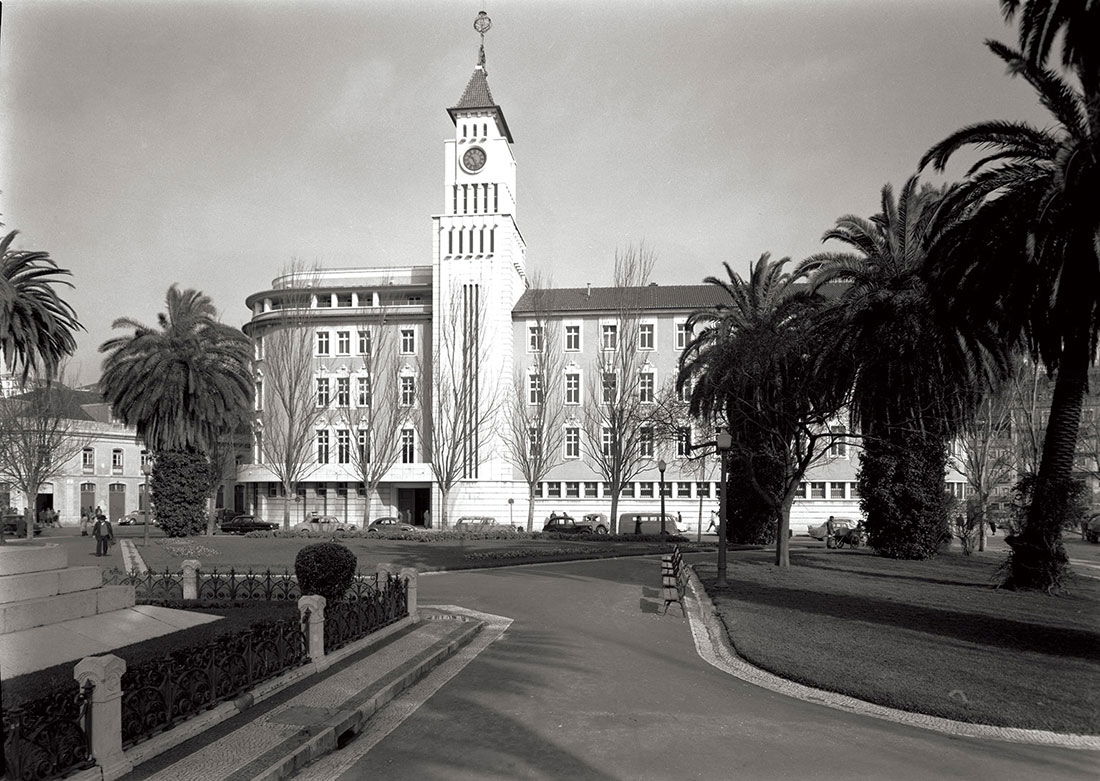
[(36, 325), (1032, 246), (181, 386), (748, 368), (916, 365)]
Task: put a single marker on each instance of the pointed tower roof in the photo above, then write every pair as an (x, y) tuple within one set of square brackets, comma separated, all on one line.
[(477, 96)]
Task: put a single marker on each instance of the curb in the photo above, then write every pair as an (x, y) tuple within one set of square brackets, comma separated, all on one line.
[(714, 646), (349, 719)]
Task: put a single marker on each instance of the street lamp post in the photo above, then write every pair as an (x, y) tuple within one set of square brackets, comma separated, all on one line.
[(661, 466), (146, 469), (510, 521), (723, 442)]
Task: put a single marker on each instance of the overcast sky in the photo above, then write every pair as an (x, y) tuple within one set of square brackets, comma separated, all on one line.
[(207, 143)]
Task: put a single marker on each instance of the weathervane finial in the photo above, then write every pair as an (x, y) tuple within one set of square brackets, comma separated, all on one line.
[(482, 25)]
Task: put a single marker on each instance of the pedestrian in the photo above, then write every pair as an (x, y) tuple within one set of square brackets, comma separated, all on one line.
[(679, 521), (427, 519), (993, 527), (713, 521), (829, 526), (104, 535), (85, 520)]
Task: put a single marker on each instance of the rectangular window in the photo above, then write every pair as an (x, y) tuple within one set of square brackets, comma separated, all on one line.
[(853, 490), (609, 336), (272, 490), (324, 300), (817, 490), (534, 338), (606, 441), (553, 490), (116, 461), (343, 342), (572, 338), (683, 392), (645, 490), (591, 490), (572, 442), (534, 389), (702, 490), (627, 492), (408, 341), (322, 446), (666, 488), (322, 343), (87, 460), (343, 299), (839, 448), (364, 391), (364, 342), (259, 399), (572, 388), (836, 490), (683, 490), (645, 442), (343, 391), (801, 492), (408, 446), (258, 348), (610, 386), (534, 442), (322, 392), (343, 446), (682, 335), (683, 441), (362, 441), (408, 391), (146, 457), (645, 336), (645, 388), (572, 490)]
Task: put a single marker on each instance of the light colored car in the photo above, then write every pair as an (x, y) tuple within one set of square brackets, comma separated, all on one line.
[(325, 524), (480, 523), (840, 525), (137, 518)]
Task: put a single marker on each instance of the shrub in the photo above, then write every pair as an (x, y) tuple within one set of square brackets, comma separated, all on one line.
[(325, 568), (179, 485)]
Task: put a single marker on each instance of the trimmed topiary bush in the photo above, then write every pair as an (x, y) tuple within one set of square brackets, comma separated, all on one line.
[(325, 568), (179, 484)]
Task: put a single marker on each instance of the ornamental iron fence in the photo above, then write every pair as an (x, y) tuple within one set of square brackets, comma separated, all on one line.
[(49, 737), (356, 617), (228, 585), (148, 585), (158, 694)]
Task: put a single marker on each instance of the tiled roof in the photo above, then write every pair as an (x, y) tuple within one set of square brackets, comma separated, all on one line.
[(71, 402), (477, 94), (600, 299)]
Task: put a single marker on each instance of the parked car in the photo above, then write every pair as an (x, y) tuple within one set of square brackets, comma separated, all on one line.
[(390, 523), (593, 523), (647, 523), (137, 518), (11, 524), (1092, 528), (325, 524), (840, 526), (481, 523), (242, 524)]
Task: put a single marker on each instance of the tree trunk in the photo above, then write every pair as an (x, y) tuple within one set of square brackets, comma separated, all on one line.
[(530, 507), (1038, 559), (782, 540), (443, 509), (286, 506), (613, 521)]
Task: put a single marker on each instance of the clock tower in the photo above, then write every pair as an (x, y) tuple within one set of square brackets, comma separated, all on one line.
[(478, 275)]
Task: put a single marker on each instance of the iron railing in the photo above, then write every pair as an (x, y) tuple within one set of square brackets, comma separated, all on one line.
[(49, 737), (150, 585), (160, 693), (213, 585), (356, 617)]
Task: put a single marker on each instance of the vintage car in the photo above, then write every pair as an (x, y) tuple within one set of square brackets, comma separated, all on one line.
[(325, 524), (137, 518), (242, 524), (592, 523), (390, 523), (481, 523)]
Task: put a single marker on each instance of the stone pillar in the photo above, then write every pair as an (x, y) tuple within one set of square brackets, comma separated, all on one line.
[(380, 575), (315, 631), (410, 573), (106, 739), (191, 578)]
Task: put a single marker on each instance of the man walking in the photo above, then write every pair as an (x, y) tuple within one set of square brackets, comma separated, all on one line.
[(104, 535)]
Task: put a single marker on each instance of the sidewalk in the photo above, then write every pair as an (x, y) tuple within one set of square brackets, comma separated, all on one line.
[(270, 740)]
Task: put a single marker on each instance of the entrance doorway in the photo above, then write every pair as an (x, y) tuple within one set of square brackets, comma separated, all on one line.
[(412, 504), (87, 497), (116, 501)]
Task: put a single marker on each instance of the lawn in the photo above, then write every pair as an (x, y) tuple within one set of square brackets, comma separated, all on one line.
[(277, 553), (934, 637)]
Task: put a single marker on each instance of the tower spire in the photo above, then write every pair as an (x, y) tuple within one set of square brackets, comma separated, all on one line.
[(482, 25)]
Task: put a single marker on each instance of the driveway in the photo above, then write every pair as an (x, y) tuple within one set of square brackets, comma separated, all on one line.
[(590, 681)]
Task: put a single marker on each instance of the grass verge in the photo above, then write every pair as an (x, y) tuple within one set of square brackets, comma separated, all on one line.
[(933, 637)]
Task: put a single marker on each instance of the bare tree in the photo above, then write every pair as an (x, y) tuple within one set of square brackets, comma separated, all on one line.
[(618, 435), (1028, 399), (379, 412), (675, 434), (985, 458), (535, 413), (463, 403), (289, 408), (38, 437)]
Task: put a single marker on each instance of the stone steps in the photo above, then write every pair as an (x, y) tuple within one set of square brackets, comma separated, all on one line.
[(42, 611), (48, 583)]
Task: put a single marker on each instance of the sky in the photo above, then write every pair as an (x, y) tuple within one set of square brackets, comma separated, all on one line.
[(210, 143)]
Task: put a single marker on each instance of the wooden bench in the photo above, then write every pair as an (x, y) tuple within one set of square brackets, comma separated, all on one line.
[(674, 579)]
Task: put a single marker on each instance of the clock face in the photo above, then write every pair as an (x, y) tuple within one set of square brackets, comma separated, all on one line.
[(474, 159)]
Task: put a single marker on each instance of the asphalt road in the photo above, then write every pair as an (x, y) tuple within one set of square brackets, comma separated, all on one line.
[(591, 682)]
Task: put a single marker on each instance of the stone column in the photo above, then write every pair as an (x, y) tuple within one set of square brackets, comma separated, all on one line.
[(315, 631), (380, 575), (191, 578), (106, 738), (410, 573)]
